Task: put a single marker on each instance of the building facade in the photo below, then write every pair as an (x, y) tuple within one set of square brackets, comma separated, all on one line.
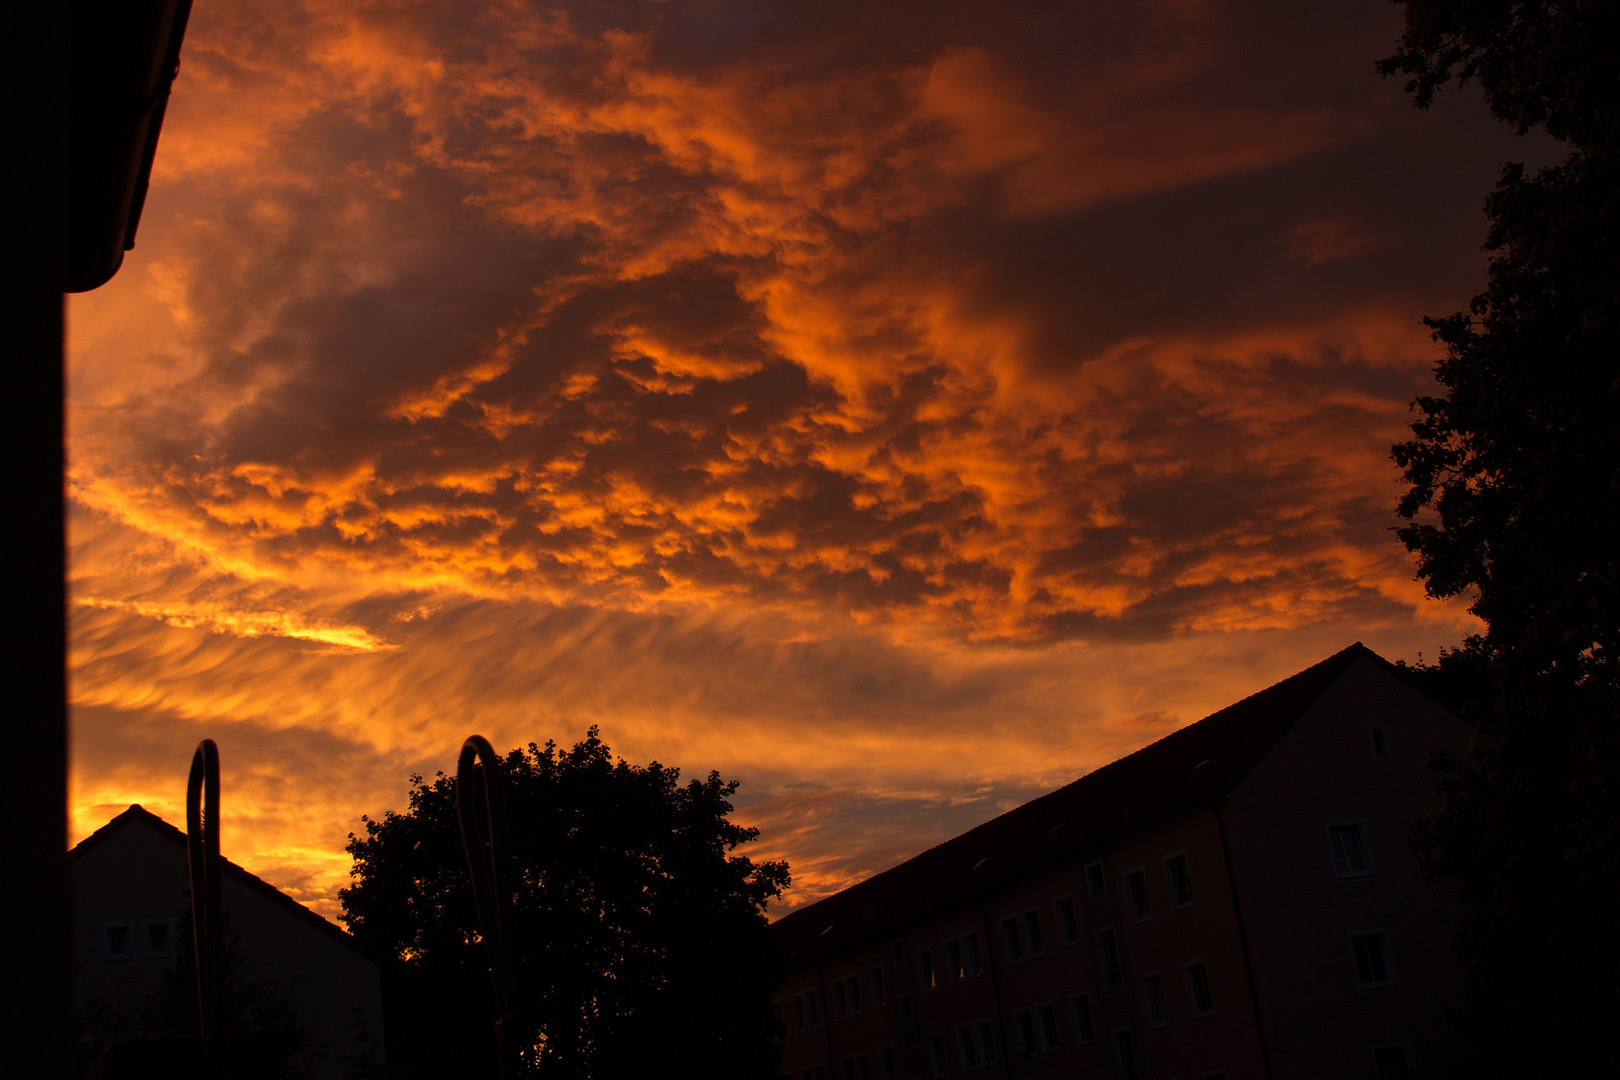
[(289, 967), (1234, 901)]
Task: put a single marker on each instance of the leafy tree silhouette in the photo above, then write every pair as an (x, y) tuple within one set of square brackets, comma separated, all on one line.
[(639, 947), (1515, 499)]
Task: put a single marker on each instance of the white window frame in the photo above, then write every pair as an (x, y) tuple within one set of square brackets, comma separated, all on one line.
[(1176, 903), (127, 956), (1146, 912), (1156, 1017), (1075, 1001), (1391, 978), (165, 956), (1012, 939), (927, 973), (1192, 995), (1359, 826), (1064, 940), (1034, 944), (1100, 877)]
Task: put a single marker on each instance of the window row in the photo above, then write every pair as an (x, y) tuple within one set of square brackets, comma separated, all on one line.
[(1195, 981), (131, 941)]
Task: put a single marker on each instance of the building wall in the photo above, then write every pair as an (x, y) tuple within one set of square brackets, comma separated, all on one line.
[(139, 874), (1302, 912)]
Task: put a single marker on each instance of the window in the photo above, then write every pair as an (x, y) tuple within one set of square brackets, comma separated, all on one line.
[(962, 957), (821, 1072), (798, 1011), (1380, 742), (1218, 1074), (1374, 965), (1125, 1055), (1109, 970), (897, 954), (858, 1067), (904, 1019), (1136, 896), (1013, 939), (1393, 1059), (840, 1004), (925, 968), (1200, 1001), (157, 941), (854, 982), (1096, 880), (1068, 920), (967, 1043), (1033, 945), (886, 1063), (1352, 855), (1158, 1002), (1085, 1028), (810, 1007), (118, 942), (987, 1042), (1178, 879), (877, 988), (936, 1053), (1037, 1029)]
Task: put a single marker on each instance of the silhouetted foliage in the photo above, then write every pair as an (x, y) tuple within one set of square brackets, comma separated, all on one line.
[(640, 945), (1515, 499)]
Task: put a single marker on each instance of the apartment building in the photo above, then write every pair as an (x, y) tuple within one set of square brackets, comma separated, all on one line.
[(1234, 901)]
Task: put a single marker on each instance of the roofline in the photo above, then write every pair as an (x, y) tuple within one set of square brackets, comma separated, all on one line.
[(138, 814)]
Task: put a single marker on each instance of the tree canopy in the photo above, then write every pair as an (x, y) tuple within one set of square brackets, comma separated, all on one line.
[(1514, 500), (639, 942)]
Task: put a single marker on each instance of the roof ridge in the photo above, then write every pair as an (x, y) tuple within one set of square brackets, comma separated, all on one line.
[(138, 814)]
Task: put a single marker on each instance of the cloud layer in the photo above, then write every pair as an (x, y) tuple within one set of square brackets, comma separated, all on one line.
[(894, 407)]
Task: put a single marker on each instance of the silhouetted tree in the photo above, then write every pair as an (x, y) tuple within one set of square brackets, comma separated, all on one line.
[(1515, 499), (640, 943)]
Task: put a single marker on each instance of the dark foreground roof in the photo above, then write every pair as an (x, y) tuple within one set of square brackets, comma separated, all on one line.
[(139, 815), (1185, 769)]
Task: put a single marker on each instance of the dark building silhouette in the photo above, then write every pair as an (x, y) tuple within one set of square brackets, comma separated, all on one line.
[(1232, 901)]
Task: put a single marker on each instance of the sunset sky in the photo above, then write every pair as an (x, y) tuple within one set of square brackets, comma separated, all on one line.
[(902, 408)]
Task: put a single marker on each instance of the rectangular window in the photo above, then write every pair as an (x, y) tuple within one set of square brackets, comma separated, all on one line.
[(1085, 1027), (806, 1074), (1033, 945), (1125, 1056), (970, 955), (1046, 1026), (886, 1063), (157, 941), (1068, 920), (1013, 940), (897, 954), (1178, 878), (1096, 880), (968, 1047), (936, 1053), (1110, 972), (925, 968), (1380, 742), (118, 942), (953, 961), (840, 1005), (1026, 1031), (798, 1011), (1352, 855), (1200, 1000), (1136, 896), (987, 1041), (811, 1008), (1158, 1002), (1374, 965), (849, 1069), (904, 1019), (821, 1072), (877, 988), (854, 993), (1393, 1060)]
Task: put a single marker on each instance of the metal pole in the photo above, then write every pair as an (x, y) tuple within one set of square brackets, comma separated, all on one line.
[(202, 863), (483, 834)]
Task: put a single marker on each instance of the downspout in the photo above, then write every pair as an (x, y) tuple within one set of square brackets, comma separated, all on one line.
[(1243, 942), (995, 990)]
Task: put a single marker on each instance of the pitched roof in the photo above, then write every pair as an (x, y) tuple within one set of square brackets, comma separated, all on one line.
[(1187, 768), (139, 815)]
